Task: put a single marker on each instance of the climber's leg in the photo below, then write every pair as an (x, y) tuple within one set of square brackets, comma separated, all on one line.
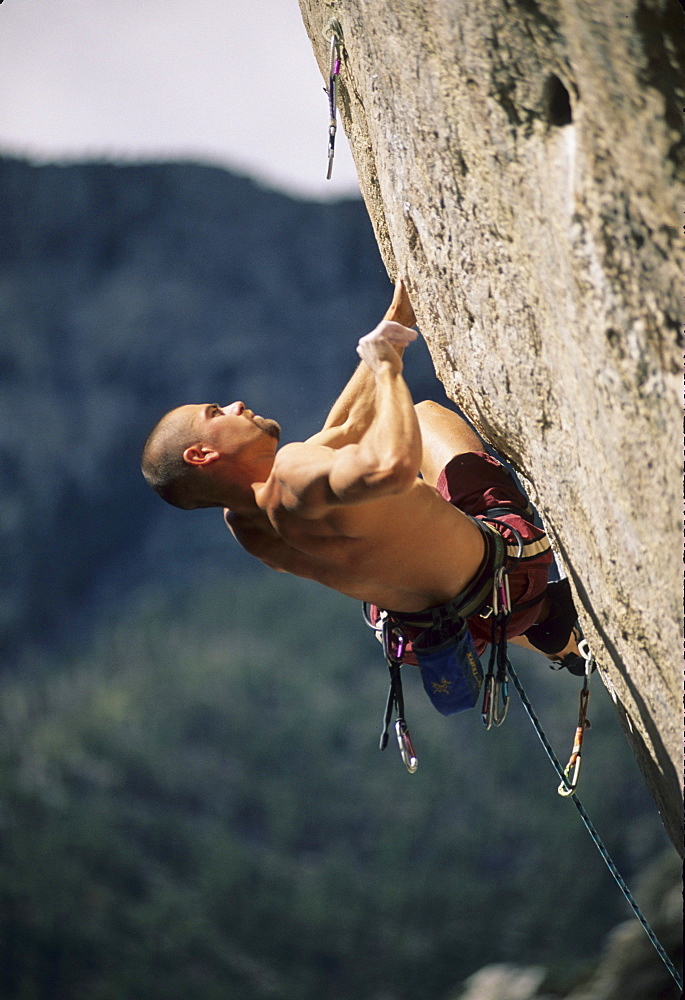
[(570, 647), (444, 434), (570, 656)]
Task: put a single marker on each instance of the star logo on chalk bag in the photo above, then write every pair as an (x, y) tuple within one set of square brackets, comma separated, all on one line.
[(442, 686)]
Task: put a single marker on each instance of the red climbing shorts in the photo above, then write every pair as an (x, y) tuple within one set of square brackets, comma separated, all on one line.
[(475, 482)]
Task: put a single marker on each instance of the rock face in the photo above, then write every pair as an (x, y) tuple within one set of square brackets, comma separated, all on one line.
[(522, 163)]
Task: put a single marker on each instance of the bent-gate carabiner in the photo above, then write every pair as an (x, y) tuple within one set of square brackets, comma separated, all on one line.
[(496, 693), (501, 690), (409, 757), (568, 785), (571, 771)]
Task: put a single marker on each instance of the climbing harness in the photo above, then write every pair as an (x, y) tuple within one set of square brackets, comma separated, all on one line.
[(334, 31), (439, 643), (572, 769), (599, 844)]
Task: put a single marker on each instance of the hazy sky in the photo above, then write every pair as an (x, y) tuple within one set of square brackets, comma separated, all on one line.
[(233, 82)]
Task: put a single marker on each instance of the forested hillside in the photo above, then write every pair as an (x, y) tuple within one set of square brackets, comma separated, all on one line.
[(196, 806)]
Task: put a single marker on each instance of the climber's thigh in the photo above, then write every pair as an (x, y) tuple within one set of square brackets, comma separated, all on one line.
[(444, 434)]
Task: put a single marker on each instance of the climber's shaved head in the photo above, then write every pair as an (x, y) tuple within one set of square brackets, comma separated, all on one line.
[(163, 463), (199, 453)]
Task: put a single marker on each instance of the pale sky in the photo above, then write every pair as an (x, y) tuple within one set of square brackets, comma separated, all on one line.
[(230, 82)]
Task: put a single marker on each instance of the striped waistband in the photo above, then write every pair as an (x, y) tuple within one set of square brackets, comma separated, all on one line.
[(477, 594), (474, 596), (522, 549)]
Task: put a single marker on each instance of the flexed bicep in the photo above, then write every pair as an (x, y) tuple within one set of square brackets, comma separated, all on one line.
[(310, 479)]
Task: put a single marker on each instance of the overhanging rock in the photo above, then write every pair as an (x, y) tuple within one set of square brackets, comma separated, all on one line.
[(522, 163)]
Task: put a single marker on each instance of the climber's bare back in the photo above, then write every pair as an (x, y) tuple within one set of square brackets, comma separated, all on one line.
[(361, 549)]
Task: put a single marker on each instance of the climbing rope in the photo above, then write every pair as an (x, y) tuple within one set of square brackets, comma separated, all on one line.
[(599, 844)]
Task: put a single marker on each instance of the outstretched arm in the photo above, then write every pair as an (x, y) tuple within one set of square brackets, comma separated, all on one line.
[(355, 405), (312, 477), (387, 457)]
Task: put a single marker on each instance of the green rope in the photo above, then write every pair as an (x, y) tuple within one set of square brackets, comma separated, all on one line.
[(593, 833)]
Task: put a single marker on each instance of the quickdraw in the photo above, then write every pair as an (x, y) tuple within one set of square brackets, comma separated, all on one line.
[(572, 770), (393, 647), (496, 685), (335, 32)]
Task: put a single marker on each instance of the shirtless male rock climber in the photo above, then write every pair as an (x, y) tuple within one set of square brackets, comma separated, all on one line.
[(346, 507)]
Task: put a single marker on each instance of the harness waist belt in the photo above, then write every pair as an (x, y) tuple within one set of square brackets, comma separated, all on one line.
[(473, 597)]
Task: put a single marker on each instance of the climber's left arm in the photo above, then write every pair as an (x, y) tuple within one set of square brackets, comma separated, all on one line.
[(354, 410)]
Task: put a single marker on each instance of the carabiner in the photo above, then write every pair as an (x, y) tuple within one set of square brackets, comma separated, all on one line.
[(568, 785), (501, 688), (504, 595), (587, 655), (498, 592), (394, 644), (393, 641), (487, 711), (409, 757), (571, 771), (491, 713)]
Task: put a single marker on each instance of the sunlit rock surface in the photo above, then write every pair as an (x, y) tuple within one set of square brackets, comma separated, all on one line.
[(522, 164)]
